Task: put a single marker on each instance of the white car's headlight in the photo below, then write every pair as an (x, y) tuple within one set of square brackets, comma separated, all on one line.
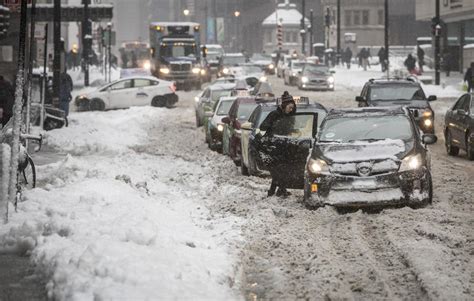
[(220, 127), (263, 79), (304, 79), (271, 66), (317, 166), (165, 70), (411, 162), (196, 99), (203, 72), (196, 70), (147, 65), (331, 80), (225, 70)]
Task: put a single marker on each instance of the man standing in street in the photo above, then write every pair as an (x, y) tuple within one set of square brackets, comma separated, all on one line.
[(382, 59), (7, 100), (469, 78), (287, 108), (65, 90)]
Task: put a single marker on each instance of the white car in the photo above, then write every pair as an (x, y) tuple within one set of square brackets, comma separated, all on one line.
[(291, 74), (128, 92)]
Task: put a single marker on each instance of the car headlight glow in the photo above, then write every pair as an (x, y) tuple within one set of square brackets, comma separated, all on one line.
[(203, 72), (196, 70), (263, 79), (304, 79), (225, 70), (317, 166), (147, 65), (411, 162), (427, 113), (271, 66), (220, 127), (427, 122), (196, 98), (330, 79), (293, 74), (165, 70)]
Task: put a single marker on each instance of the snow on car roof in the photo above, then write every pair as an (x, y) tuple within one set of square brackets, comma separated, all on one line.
[(222, 86), (233, 55), (367, 111)]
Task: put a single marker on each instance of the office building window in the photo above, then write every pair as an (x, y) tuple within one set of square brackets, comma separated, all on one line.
[(356, 14), (381, 17), (365, 17), (347, 17)]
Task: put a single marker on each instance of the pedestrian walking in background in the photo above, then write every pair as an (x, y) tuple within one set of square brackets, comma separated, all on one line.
[(469, 78), (410, 63), (420, 53), (447, 62), (65, 89), (7, 100), (382, 59), (348, 57)]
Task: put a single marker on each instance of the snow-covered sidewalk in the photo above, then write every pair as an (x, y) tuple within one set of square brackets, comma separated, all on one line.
[(111, 222)]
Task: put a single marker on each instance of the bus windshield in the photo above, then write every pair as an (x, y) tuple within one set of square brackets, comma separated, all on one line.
[(178, 50)]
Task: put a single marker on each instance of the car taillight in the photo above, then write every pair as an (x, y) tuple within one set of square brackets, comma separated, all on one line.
[(173, 87)]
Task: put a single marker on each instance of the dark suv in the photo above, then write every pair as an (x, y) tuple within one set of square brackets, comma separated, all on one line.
[(400, 92), (369, 157)]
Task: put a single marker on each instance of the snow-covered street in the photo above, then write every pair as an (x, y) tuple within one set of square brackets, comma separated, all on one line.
[(141, 209)]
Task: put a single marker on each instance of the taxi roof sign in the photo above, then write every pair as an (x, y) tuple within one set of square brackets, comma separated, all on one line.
[(299, 100)]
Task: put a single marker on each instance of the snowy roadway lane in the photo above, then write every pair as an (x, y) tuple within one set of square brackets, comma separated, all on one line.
[(199, 230)]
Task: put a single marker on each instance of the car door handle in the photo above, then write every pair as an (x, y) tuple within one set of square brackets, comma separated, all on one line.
[(142, 94)]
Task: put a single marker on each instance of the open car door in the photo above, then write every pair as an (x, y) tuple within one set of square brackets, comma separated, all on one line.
[(284, 150)]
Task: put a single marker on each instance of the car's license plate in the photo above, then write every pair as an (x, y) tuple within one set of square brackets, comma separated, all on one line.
[(364, 184)]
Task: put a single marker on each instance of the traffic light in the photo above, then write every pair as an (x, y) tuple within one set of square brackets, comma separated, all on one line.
[(4, 21), (435, 26), (327, 18)]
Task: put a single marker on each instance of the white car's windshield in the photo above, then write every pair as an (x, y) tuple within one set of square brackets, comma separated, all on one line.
[(224, 107)]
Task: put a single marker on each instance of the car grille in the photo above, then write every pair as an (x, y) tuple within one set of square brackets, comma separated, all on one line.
[(377, 168), (180, 67), (318, 81)]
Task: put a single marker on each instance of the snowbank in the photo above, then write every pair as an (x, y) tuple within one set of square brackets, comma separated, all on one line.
[(113, 223)]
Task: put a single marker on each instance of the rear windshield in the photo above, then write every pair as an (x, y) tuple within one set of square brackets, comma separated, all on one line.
[(216, 94), (396, 92), (233, 60), (224, 107), (245, 109), (365, 128)]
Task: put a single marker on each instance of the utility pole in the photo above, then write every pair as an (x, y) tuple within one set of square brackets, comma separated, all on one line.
[(86, 38), (18, 105), (44, 84), (311, 32), (27, 96), (57, 52), (338, 55), (437, 44), (386, 39), (327, 19), (303, 28)]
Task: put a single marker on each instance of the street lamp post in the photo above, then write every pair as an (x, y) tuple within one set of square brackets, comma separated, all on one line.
[(109, 49), (237, 16), (303, 31), (311, 32)]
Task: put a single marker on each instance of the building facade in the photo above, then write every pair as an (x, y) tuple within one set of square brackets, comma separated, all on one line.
[(457, 30)]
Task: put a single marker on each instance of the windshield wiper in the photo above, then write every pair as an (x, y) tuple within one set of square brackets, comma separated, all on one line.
[(366, 139)]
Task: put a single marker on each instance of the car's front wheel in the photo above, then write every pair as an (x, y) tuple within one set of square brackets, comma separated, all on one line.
[(451, 149), (97, 104)]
